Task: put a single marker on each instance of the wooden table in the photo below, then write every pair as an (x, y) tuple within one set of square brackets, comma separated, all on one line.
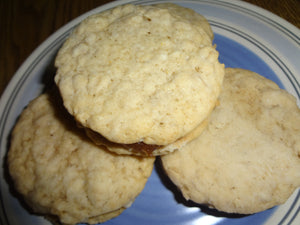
[(27, 23)]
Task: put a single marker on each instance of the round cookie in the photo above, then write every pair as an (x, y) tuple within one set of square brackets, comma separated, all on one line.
[(139, 74), (60, 172), (248, 157)]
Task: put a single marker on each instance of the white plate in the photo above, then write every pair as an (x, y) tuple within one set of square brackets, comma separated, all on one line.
[(246, 37)]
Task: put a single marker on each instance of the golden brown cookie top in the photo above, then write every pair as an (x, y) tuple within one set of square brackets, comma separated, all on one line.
[(247, 159), (139, 74), (59, 171)]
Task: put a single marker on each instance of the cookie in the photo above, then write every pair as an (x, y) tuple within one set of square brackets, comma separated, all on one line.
[(139, 74), (60, 172), (248, 157)]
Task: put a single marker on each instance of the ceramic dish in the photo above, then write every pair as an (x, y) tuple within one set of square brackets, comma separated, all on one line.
[(246, 36)]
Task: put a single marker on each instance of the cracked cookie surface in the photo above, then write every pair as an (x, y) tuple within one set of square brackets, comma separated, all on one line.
[(60, 172), (140, 74)]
